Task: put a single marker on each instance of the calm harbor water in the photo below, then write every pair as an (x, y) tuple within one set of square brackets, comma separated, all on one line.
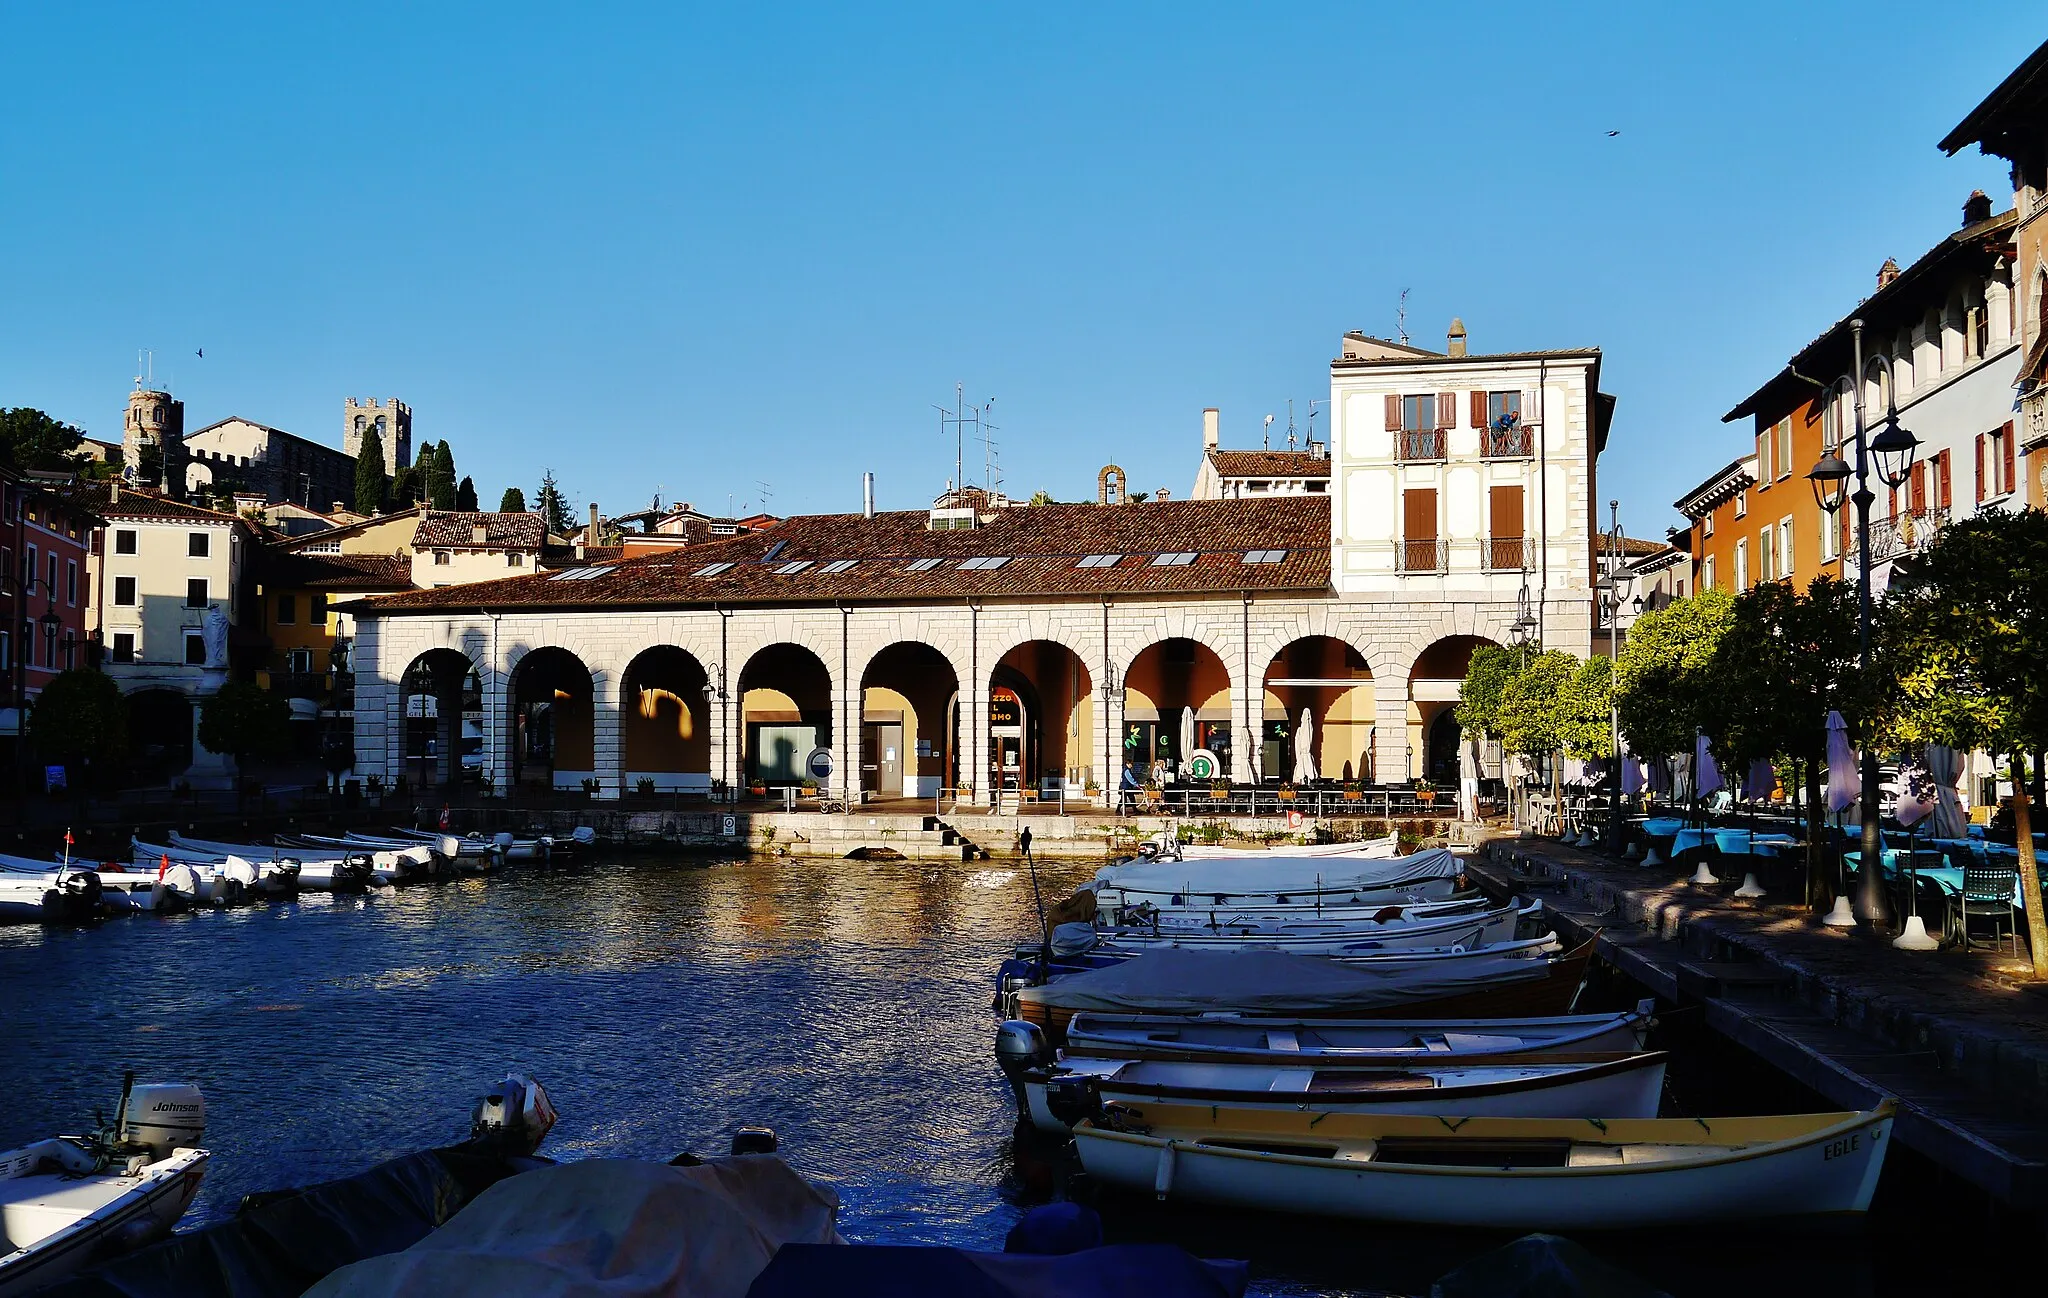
[(665, 1003)]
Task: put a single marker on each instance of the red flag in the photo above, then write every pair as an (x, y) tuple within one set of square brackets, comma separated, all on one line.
[(67, 838), (162, 866)]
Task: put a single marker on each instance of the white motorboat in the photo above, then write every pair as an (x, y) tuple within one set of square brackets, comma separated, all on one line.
[(386, 866), (218, 879), (32, 899), (1551, 1174), (1624, 1086), (1303, 918), (1315, 1041), (69, 1201), (503, 846), (1361, 937), (122, 890)]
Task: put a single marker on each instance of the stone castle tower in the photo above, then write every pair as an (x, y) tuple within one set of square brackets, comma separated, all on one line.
[(157, 422), (393, 423)]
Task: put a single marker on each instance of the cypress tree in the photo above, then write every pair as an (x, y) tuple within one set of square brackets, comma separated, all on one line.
[(370, 485), (465, 496), (405, 487), (512, 502), (441, 481)]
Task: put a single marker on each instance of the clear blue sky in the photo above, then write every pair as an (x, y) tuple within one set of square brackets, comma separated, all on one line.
[(689, 250)]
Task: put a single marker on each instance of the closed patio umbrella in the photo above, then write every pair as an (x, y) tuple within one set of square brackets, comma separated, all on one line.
[(1631, 775), (1843, 781), (1187, 738), (1946, 766), (1305, 749), (1916, 795), (1707, 776), (1762, 778)]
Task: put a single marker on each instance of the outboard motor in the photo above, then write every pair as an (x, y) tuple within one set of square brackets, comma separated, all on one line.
[(517, 1112), (501, 842), (1012, 977), (583, 836), (754, 1140), (1071, 1097), (182, 881), (1020, 1047), (85, 894), (161, 1118)]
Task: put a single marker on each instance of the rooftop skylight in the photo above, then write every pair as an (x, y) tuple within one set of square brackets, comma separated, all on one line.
[(838, 565), (578, 574), (1180, 560), (712, 570), (925, 565), (1099, 561), (985, 563), (1264, 556), (789, 569)]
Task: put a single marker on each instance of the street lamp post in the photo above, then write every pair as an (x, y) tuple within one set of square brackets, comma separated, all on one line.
[(1612, 596), (1893, 449)]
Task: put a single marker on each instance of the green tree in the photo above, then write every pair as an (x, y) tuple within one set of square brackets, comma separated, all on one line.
[(1487, 675), (370, 483), (512, 502), (1530, 719), (1963, 662), (30, 439), (440, 478), (1663, 680), (405, 487), (1585, 711), (552, 506), (249, 722), (1041, 497), (1785, 660), (81, 717), (465, 496)]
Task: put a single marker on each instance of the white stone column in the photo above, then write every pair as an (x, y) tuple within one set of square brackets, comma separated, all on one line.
[(1390, 757), (721, 729), (846, 716), (1109, 741), (974, 740), (605, 750), (497, 726)]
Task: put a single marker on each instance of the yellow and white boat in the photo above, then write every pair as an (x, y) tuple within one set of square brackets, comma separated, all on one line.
[(1554, 1174)]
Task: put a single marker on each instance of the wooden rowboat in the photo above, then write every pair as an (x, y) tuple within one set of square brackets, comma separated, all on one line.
[(1549, 986), (1555, 1174), (1338, 1041), (1617, 1086)]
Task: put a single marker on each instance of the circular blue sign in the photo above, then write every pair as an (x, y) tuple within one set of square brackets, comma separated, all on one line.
[(819, 763)]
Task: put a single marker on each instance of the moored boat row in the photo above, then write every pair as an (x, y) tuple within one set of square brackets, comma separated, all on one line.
[(1262, 1034)]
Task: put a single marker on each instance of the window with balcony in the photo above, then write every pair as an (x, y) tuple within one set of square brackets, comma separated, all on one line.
[(1421, 551), (1419, 421), (1503, 434)]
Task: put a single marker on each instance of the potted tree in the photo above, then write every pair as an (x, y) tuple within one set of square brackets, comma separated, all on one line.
[(1425, 792)]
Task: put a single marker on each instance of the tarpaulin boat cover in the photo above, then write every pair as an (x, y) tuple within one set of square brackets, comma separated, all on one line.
[(280, 1244), (1541, 1266), (611, 1227), (886, 1271), (1272, 982), (1278, 874)]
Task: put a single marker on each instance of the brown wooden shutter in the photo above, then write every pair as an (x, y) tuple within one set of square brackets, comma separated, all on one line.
[(1507, 512), (1941, 481), (1446, 410), (1479, 410), (1393, 414), (1418, 513), (1920, 488), (2005, 447), (1980, 468)]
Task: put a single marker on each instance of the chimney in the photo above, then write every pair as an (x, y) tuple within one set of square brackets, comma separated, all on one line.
[(479, 534), (1455, 341), (1977, 207), (1210, 420), (337, 507), (114, 490), (867, 495), (1887, 272), (591, 535)]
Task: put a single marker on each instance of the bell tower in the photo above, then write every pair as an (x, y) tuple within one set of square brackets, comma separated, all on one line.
[(153, 440), (393, 423)]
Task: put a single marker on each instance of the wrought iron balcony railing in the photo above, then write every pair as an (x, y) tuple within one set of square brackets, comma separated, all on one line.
[(1422, 444), (1424, 556), (1907, 532), (1507, 443), (1506, 554)]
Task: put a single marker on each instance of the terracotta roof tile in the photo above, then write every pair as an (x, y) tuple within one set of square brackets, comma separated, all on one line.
[(1040, 549), (455, 531), (1270, 464), (137, 503), (364, 572)]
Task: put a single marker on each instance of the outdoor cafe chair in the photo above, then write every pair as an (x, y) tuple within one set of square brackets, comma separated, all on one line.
[(1988, 893)]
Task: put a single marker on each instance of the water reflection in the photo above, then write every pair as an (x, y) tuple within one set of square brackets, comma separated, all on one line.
[(845, 1004)]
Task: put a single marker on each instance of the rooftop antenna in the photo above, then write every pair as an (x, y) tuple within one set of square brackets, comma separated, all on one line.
[(958, 418), (1312, 407), (991, 450), (1290, 423), (1401, 318), (1269, 432)]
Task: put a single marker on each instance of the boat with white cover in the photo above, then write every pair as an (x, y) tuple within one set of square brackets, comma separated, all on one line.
[(276, 876), (1302, 918), (1625, 1086), (32, 899), (122, 890), (1278, 881), (1551, 1174), (68, 1201), (1371, 849), (391, 866), (1308, 1041), (198, 881), (505, 847)]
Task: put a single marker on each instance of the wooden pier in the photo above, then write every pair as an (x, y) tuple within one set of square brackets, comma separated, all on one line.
[(1963, 1046)]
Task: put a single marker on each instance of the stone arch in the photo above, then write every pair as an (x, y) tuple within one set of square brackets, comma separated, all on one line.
[(1331, 681), (909, 720), (438, 691), (665, 721), (1041, 716), (785, 692), (1433, 685), (1165, 679), (551, 718)]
